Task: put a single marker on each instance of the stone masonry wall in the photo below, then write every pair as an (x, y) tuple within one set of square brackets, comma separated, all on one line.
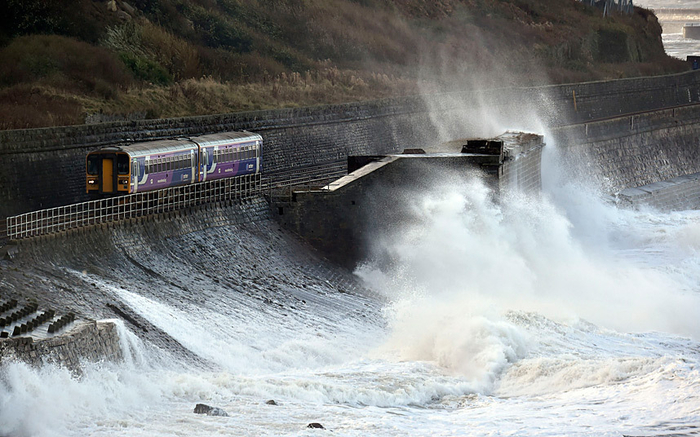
[(631, 151), (43, 168), (94, 341), (524, 172)]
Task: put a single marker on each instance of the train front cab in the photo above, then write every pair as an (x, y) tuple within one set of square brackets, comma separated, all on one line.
[(107, 173)]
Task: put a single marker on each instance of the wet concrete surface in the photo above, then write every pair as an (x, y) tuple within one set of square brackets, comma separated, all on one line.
[(232, 258)]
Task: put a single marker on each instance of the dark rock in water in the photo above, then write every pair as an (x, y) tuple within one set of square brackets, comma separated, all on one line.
[(315, 425), (209, 411), (201, 409), (271, 402)]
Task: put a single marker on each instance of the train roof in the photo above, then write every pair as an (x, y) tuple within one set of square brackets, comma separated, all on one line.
[(227, 137), (160, 146), (152, 147), (156, 147)]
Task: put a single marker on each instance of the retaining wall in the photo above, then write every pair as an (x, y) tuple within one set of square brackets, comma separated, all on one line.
[(43, 168), (631, 151)]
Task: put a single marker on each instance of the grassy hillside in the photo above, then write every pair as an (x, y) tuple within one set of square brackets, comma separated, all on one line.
[(62, 60)]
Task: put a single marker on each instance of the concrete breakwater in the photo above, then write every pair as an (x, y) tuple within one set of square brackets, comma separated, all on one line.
[(337, 219), (307, 136)]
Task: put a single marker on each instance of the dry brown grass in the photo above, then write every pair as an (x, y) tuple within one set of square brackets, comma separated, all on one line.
[(192, 57), (207, 95)]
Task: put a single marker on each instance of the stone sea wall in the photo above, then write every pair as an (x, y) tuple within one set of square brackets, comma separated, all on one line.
[(93, 341), (43, 168), (631, 151)]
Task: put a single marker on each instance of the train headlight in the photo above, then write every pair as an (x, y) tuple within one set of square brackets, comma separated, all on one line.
[(92, 182)]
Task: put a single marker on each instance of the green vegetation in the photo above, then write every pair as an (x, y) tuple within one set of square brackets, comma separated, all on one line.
[(61, 60)]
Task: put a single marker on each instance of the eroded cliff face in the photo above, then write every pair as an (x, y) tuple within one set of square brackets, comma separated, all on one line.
[(68, 62)]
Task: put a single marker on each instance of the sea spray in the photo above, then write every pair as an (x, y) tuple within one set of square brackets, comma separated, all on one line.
[(52, 401), (464, 260)]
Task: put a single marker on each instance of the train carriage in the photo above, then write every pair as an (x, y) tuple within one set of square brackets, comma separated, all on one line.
[(159, 164), (229, 154)]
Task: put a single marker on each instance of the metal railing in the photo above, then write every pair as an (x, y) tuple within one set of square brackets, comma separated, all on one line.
[(116, 209), (305, 176), (283, 183)]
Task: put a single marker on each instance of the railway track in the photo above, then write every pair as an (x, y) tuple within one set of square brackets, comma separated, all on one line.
[(311, 176), (117, 209)]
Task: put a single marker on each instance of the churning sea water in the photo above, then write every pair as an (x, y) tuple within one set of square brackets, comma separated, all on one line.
[(534, 316), (553, 315)]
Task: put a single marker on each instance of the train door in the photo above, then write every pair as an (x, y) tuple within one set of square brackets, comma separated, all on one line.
[(107, 175), (258, 158), (204, 160), (135, 175)]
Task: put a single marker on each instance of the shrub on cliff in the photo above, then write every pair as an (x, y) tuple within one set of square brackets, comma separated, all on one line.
[(64, 63)]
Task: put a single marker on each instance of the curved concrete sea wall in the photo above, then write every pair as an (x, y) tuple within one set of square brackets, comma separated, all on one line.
[(42, 168), (224, 257)]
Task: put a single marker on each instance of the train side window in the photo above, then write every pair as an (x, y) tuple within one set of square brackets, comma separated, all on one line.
[(93, 165), (122, 164)]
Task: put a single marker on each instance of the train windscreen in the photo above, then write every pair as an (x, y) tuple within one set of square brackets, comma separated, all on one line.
[(93, 165), (122, 164)]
